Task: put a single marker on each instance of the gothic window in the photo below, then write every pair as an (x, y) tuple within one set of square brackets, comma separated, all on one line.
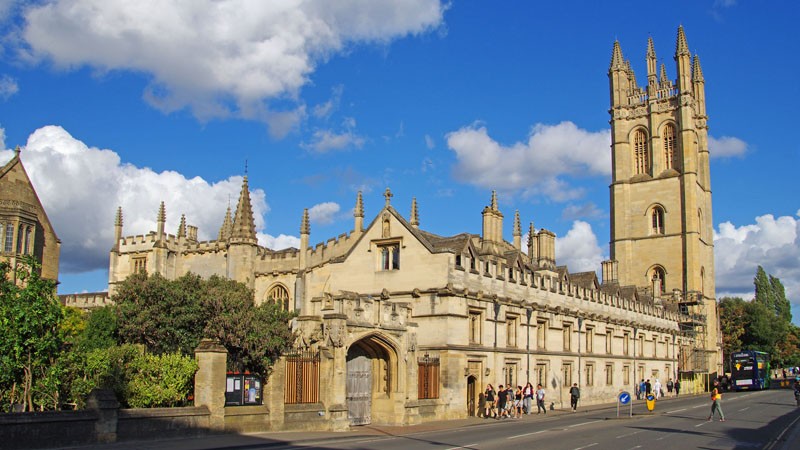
[(641, 153), (567, 335), (589, 339), (657, 220), (9, 241), (475, 320), (566, 370), (28, 242), (279, 295), (541, 334), (512, 322), (670, 154), (659, 280), (471, 260), (700, 223), (19, 239), (702, 280), (589, 374), (139, 264), (390, 256), (609, 374)]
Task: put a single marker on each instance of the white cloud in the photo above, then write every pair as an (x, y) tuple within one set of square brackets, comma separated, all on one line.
[(8, 87), (586, 211), (217, 57), (773, 243), (429, 142), (81, 187), (2, 140), (726, 147), (323, 141), (323, 213), (578, 250), (533, 167), (324, 110), (279, 242)]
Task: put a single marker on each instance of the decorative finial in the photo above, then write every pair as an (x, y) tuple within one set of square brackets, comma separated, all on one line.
[(494, 200), (517, 226), (531, 231), (162, 213), (359, 210), (182, 226), (17, 150), (697, 71), (305, 227), (388, 194), (414, 213), (118, 221)]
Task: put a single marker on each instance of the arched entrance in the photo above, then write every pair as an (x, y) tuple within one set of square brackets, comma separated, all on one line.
[(371, 377), (472, 396)]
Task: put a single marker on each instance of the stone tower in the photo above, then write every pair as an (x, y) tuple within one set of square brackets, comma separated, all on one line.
[(661, 227)]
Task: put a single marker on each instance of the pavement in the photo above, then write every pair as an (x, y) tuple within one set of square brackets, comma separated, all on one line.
[(789, 439)]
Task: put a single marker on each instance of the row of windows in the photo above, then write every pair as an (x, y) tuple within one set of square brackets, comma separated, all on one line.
[(642, 155), (24, 238)]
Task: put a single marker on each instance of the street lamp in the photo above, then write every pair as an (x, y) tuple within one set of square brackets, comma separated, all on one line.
[(635, 374), (580, 325)]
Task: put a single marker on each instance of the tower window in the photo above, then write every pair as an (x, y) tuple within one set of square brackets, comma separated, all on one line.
[(641, 154), (669, 147), (279, 295), (657, 216), (659, 280)]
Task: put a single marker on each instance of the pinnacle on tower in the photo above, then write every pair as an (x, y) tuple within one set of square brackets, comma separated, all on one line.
[(182, 226), (651, 49), (388, 195), (305, 227), (244, 226), (162, 213), (681, 47), (414, 213), (651, 63), (494, 201), (118, 220), (663, 75), (697, 71), (227, 226), (359, 209), (531, 231), (517, 227), (617, 61)]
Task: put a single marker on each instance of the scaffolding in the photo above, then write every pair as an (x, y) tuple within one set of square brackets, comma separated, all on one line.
[(694, 367)]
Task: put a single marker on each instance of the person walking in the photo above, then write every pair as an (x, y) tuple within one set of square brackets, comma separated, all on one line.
[(527, 397), (716, 403), (540, 399), (502, 399), (796, 388), (490, 396), (574, 395), (518, 402), (677, 387), (648, 388), (670, 385), (657, 389), (642, 387)]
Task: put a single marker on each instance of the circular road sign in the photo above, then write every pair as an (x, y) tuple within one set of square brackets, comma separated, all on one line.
[(624, 398)]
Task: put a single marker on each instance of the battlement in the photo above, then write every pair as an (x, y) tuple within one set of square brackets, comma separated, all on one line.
[(332, 248), (88, 300)]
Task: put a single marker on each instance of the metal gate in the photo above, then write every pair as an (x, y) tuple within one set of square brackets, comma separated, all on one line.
[(359, 387)]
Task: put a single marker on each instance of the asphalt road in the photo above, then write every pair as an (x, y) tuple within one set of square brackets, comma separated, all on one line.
[(754, 420)]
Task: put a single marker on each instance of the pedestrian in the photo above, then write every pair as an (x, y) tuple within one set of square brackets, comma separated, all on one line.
[(518, 401), (784, 374), (642, 387), (677, 387), (716, 403), (510, 401), (491, 398), (670, 385), (574, 395), (527, 396), (797, 391), (540, 399), (657, 389), (502, 399), (648, 388)]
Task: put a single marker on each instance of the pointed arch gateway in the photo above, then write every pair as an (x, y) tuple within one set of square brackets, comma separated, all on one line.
[(372, 378)]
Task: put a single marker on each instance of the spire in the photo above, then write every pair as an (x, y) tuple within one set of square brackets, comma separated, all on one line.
[(162, 213), (517, 227), (244, 226), (118, 220), (414, 213), (531, 231), (117, 229), (617, 61), (697, 71), (359, 209), (494, 201), (305, 228), (388, 194), (681, 47), (651, 63), (227, 226), (182, 227), (663, 75), (651, 49)]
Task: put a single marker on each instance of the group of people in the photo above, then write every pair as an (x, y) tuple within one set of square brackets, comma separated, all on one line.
[(509, 403), (645, 388)]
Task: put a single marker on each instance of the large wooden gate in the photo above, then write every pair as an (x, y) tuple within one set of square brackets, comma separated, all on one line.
[(359, 386)]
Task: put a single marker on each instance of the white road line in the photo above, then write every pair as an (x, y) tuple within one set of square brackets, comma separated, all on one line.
[(584, 423), (462, 446), (677, 410), (701, 424), (526, 434), (638, 446), (744, 409), (698, 406), (586, 446), (629, 434)]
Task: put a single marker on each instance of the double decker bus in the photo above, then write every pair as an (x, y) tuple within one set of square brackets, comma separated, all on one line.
[(749, 370)]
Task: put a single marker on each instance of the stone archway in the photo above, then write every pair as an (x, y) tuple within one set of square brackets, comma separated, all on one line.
[(372, 378)]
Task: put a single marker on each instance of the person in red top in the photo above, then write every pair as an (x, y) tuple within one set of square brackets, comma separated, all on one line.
[(716, 403)]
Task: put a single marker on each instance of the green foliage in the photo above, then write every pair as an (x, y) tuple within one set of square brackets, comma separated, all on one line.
[(160, 380), (30, 329), (101, 329)]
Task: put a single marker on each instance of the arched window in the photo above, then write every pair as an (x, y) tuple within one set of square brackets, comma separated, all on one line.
[(659, 281), (702, 281), (700, 229), (19, 239), (640, 152), (657, 221), (670, 153), (28, 240), (280, 296), (9, 238)]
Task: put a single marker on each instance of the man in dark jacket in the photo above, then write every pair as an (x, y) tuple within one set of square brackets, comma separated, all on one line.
[(574, 395)]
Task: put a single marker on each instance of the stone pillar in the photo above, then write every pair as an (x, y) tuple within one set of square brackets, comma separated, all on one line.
[(105, 404), (209, 382)]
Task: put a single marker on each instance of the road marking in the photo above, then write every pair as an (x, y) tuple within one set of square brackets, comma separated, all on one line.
[(584, 423), (698, 406), (780, 436), (526, 434), (744, 409), (629, 434), (586, 446), (462, 446), (674, 411), (701, 424), (638, 446)]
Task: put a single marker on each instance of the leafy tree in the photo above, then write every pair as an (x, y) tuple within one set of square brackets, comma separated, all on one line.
[(733, 323), (30, 318), (101, 329)]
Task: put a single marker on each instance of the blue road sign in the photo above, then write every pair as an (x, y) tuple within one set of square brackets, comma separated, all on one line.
[(624, 398)]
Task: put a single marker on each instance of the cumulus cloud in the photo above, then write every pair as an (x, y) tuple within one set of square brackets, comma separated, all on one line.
[(81, 186), (535, 166), (8, 87), (279, 242), (726, 147), (324, 110), (586, 211), (770, 242), (429, 142), (323, 141), (323, 213), (217, 57), (579, 249)]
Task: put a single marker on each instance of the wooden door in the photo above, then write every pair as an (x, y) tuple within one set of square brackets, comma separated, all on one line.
[(359, 388), (471, 395)]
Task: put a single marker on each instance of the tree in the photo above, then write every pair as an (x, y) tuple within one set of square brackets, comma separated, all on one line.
[(733, 323), (30, 318)]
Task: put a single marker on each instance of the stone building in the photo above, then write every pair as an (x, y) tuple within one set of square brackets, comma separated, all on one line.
[(397, 324), (24, 226)]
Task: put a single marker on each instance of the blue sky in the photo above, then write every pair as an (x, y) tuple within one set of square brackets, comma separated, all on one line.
[(130, 103)]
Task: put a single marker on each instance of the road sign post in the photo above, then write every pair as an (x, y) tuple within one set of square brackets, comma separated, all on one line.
[(624, 398)]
